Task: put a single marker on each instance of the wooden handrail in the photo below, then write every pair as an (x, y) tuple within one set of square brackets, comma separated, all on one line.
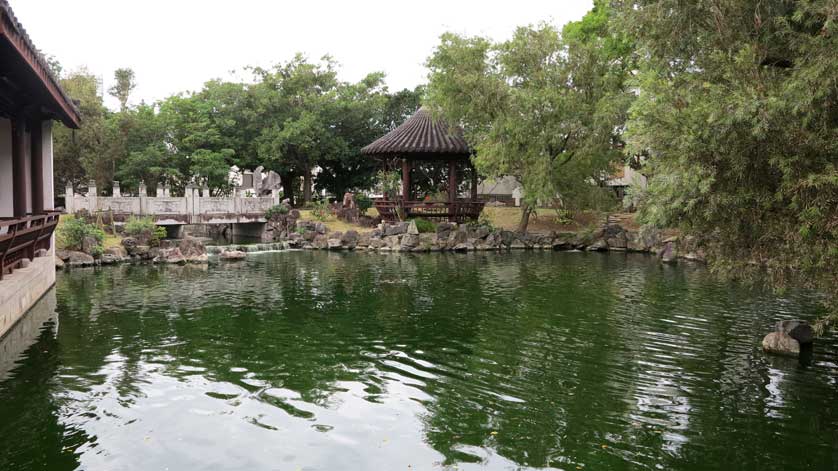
[(24, 236)]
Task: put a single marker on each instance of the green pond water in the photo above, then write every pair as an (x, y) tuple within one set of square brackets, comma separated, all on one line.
[(327, 361)]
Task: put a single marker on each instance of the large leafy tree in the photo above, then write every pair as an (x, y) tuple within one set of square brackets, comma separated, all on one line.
[(738, 106), (85, 153), (545, 110)]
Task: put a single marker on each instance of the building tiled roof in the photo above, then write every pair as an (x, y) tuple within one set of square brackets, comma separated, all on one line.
[(11, 27), (421, 136)]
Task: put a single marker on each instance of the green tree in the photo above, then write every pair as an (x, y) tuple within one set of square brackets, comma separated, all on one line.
[(738, 106), (125, 84), (544, 110), (81, 154)]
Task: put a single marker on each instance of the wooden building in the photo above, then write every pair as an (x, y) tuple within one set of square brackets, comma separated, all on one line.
[(423, 139), (31, 99)]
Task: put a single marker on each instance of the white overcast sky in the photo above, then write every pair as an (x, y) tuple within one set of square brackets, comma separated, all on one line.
[(177, 45)]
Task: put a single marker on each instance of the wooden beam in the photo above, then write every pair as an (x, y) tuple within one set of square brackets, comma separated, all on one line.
[(37, 167), (19, 167)]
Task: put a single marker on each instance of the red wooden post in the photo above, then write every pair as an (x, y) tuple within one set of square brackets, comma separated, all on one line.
[(37, 168), (406, 179), (452, 181), (473, 183), (19, 167)]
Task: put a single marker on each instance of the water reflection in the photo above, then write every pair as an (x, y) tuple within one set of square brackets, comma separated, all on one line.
[(361, 361)]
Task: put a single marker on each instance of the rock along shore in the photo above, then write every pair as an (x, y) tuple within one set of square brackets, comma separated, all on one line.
[(289, 233)]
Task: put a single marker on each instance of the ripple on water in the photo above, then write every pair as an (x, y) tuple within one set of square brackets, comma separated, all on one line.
[(481, 361)]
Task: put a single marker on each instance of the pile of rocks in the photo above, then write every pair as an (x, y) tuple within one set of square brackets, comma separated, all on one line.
[(186, 250)]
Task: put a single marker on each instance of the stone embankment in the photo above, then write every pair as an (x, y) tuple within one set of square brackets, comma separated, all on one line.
[(288, 232), (451, 237)]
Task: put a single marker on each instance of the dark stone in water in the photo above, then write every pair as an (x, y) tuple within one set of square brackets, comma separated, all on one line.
[(797, 329)]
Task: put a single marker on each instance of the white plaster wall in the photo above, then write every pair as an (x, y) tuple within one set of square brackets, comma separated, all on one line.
[(6, 182), (49, 184)]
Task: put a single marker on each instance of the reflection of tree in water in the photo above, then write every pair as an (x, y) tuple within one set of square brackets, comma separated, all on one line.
[(557, 353), (540, 400)]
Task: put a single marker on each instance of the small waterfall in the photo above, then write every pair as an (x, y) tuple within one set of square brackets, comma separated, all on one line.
[(249, 248)]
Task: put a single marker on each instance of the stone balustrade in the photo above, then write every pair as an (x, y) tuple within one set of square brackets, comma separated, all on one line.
[(195, 207)]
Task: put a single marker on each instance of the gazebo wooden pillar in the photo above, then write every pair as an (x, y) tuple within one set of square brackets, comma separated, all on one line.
[(406, 183), (452, 181), (421, 138)]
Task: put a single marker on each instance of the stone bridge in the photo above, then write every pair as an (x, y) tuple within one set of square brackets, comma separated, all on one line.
[(195, 207)]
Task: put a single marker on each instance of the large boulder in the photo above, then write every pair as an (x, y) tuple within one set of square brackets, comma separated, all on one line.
[(781, 344), (350, 240), (395, 229), (172, 256), (190, 246), (409, 241), (89, 245), (79, 259), (615, 237), (142, 251), (334, 244), (117, 252), (59, 264), (443, 230), (320, 242), (412, 229), (597, 245), (232, 255), (129, 243), (669, 251), (797, 329)]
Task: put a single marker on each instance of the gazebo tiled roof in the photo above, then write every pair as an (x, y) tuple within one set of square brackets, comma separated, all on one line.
[(421, 136)]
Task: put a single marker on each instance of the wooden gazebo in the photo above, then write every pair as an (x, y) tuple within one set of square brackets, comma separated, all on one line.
[(421, 138)]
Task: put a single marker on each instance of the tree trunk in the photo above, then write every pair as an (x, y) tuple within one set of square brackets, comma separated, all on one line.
[(526, 210), (307, 184), (288, 182)]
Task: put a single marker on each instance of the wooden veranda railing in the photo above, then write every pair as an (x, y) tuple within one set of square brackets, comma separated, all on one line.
[(23, 236), (453, 211)]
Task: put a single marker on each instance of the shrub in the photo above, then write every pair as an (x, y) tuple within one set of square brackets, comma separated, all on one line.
[(320, 210), (278, 210), (363, 202), (389, 183), (145, 230), (424, 226), (73, 231)]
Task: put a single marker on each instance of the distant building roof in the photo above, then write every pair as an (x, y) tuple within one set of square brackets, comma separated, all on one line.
[(23, 67), (422, 137)]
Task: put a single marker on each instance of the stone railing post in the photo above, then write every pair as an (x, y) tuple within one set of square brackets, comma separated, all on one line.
[(189, 195), (143, 193), (205, 192), (69, 198), (275, 197), (116, 191), (92, 197)]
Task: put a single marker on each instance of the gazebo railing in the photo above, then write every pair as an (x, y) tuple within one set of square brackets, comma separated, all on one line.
[(454, 211), (23, 236)]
